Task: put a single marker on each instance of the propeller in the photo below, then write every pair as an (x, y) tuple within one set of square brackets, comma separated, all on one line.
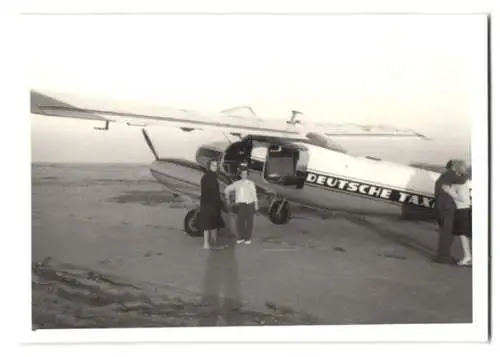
[(150, 143)]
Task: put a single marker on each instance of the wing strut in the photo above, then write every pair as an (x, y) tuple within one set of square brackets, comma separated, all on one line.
[(150, 144)]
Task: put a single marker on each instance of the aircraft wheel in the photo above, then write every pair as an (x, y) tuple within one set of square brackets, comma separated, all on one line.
[(282, 216), (191, 224)]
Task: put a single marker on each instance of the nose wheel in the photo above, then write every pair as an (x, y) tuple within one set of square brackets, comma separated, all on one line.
[(279, 211), (191, 226)]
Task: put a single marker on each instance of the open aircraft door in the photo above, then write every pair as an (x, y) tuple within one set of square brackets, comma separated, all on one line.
[(285, 165)]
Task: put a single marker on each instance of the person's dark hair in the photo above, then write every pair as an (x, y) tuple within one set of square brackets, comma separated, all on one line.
[(449, 164)]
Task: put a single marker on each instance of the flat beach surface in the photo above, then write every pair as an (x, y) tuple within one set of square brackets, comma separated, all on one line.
[(108, 250)]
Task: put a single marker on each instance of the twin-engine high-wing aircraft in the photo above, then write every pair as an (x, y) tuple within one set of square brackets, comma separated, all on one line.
[(288, 159)]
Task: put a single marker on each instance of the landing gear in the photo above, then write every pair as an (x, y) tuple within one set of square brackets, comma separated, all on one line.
[(279, 211), (191, 226)]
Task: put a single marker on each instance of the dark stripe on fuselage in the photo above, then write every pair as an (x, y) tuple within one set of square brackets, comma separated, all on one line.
[(356, 194), (363, 189), (318, 172)]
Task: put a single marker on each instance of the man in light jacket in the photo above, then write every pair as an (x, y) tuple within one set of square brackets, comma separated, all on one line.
[(247, 203)]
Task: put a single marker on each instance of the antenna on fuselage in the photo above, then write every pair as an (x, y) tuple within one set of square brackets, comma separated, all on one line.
[(293, 120), (296, 124)]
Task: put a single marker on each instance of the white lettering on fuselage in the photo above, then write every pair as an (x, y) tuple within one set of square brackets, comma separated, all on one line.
[(417, 200), (370, 190)]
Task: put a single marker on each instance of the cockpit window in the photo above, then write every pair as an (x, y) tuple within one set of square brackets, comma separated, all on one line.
[(204, 155), (207, 153)]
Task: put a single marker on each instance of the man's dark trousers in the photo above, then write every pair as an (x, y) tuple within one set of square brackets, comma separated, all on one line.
[(445, 209), (445, 220), (245, 220)]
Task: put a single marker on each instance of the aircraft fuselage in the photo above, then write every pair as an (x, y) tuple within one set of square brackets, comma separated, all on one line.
[(317, 177)]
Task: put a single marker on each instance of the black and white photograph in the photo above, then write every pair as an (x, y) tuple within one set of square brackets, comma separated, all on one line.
[(259, 170)]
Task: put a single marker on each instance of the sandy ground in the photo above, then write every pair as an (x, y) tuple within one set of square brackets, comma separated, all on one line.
[(108, 250)]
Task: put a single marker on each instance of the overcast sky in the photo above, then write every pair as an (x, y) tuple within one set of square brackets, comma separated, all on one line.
[(422, 72)]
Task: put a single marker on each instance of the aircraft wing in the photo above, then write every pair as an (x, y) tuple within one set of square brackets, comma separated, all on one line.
[(361, 130), (143, 114), (87, 107)]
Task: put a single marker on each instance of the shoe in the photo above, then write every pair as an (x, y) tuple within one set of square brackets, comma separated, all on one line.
[(467, 262), (248, 242), (240, 241)]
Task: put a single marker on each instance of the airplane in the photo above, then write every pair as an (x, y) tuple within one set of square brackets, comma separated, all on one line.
[(288, 160)]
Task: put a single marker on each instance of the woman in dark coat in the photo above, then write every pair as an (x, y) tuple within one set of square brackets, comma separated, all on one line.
[(211, 205)]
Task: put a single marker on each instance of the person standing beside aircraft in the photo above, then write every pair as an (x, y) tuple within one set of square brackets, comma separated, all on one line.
[(211, 206), (445, 210), (463, 214), (247, 203)]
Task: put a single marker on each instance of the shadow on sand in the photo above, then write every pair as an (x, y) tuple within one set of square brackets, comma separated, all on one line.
[(221, 288)]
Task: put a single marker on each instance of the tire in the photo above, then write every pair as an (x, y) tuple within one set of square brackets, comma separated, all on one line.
[(191, 224), (282, 218)]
